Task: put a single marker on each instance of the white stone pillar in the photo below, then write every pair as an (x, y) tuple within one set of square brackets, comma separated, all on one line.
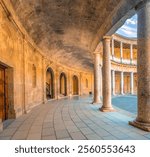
[(107, 106), (131, 53), (97, 78), (113, 82), (121, 52), (131, 83), (143, 66), (122, 83)]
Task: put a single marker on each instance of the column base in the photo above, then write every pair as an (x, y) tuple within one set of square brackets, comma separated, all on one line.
[(96, 102), (107, 109), (140, 125)]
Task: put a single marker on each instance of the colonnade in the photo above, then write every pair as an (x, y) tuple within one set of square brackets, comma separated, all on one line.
[(122, 83), (143, 69), (121, 43)]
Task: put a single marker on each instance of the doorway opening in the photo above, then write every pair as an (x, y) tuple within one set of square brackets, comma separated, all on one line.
[(50, 84), (3, 94)]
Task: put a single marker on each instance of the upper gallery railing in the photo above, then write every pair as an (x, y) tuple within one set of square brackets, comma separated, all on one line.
[(124, 61)]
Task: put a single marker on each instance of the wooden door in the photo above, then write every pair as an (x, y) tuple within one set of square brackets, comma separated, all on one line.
[(3, 109)]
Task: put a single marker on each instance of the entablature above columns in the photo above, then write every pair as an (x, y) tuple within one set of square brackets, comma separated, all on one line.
[(123, 67)]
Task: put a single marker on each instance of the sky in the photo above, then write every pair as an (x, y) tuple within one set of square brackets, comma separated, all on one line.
[(129, 29)]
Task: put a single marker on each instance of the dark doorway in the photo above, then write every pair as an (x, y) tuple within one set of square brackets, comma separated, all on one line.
[(3, 94), (49, 84)]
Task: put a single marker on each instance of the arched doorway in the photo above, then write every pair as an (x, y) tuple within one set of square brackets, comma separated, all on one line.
[(75, 85), (49, 83), (63, 84)]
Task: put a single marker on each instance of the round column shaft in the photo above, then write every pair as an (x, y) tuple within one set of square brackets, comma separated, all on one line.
[(97, 78), (143, 67), (113, 82), (106, 107), (131, 83), (122, 83)]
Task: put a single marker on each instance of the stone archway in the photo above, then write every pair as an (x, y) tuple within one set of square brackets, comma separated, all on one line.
[(63, 84), (75, 85), (50, 84)]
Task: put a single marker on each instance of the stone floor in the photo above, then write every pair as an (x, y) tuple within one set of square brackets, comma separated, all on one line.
[(127, 103), (75, 119)]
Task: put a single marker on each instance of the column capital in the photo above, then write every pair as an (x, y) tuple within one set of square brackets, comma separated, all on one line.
[(141, 4), (107, 37)]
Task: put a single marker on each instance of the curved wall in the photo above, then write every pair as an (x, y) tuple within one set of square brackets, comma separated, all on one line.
[(27, 68)]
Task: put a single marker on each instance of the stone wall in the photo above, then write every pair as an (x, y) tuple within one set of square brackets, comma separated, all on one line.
[(27, 68)]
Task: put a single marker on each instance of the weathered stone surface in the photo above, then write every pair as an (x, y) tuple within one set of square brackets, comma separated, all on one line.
[(143, 67), (70, 30)]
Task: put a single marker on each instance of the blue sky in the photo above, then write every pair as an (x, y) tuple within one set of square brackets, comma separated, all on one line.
[(129, 29)]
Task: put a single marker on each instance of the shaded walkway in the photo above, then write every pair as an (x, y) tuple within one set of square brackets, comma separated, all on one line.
[(70, 119)]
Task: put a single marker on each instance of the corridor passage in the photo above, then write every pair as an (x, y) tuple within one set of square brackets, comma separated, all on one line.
[(74, 119)]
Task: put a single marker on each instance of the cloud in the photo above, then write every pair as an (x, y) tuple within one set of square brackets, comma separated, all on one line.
[(129, 29), (132, 20)]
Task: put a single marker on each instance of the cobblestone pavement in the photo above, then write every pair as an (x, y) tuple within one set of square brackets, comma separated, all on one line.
[(73, 119)]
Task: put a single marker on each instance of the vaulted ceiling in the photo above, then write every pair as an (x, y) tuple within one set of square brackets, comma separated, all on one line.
[(69, 31)]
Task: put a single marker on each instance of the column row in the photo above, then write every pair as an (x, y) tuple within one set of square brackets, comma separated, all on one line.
[(128, 84), (143, 69), (131, 49)]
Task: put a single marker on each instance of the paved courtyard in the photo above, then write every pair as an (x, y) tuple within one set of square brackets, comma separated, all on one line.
[(76, 119), (127, 103)]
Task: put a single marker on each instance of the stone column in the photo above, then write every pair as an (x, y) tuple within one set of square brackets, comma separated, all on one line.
[(112, 48), (121, 52), (143, 67), (97, 78), (106, 107), (131, 83), (131, 53), (101, 81), (113, 82), (122, 83)]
